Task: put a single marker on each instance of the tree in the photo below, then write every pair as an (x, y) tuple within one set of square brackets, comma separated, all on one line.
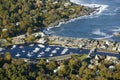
[(5, 33), (73, 64), (74, 77), (8, 56), (30, 38), (9, 39), (29, 30), (1, 57), (18, 61), (52, 65), (62, 71)]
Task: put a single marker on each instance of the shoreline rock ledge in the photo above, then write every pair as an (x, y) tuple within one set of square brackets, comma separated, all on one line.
[(85, 43), (116, 33)]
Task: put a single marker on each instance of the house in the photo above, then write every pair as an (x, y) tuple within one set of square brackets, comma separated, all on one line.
[(94, 61), (17, 23), (90, 66), (55, 2), (42, 41), (67, 4), (111, 67), (109, 58)]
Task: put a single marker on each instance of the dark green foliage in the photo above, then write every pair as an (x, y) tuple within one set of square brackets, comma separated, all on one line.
[(20, 16), (70, 69)]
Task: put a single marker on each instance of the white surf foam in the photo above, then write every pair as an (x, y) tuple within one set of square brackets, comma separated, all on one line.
[(100, 7), (109, 14), (106, 37), (117, 9), (112, 12), (99, 32), (75, 1), (117, 29), (71, 20)]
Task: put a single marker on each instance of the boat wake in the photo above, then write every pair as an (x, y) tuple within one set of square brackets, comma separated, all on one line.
[(104, 35), (99, 32), (117, 29), (117, 10)]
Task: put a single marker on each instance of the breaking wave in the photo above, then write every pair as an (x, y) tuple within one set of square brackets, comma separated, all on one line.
[(106, 37), (117, 9), (117, 29), (99, 32)]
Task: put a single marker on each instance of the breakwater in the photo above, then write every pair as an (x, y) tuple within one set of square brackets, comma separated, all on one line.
[(85, 43)]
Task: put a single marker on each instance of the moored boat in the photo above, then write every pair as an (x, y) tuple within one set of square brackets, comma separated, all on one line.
[(17, 55)]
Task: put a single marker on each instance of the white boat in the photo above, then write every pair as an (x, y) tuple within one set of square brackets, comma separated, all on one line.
[(14, 46), (1, 49), (36, 50), (41, 46), (64, 51), (31, 45), (54, 51), (39, 55), (47, 49), (17, 55), (21, 46), (42, 52), (51, 55), (57, 48), (23, 51), (29, 54)]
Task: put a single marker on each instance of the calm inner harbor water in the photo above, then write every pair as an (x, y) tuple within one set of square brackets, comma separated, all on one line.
[(33, 51)]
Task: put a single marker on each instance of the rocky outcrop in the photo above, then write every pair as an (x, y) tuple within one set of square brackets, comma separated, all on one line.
[(116, 33), (85, 11)]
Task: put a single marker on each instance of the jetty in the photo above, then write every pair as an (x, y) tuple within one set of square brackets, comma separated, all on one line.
[(85, 43)]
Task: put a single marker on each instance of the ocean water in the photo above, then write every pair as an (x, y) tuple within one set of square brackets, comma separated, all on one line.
[(100, 25)]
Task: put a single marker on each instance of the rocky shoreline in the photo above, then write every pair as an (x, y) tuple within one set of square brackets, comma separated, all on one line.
[(106, 46), (73, 16), (84, 43), (116, 34)]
